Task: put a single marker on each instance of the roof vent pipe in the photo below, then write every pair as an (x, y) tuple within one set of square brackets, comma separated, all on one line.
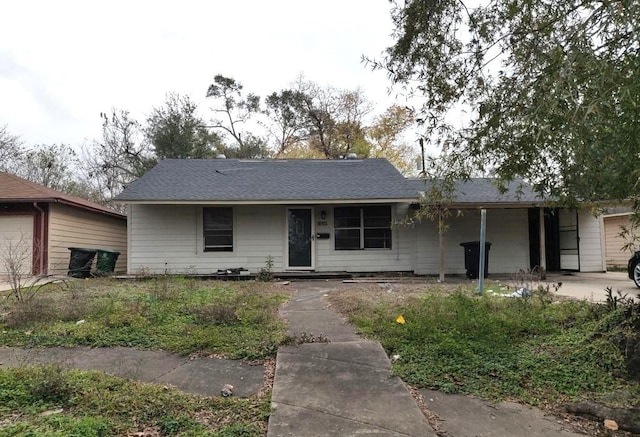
[(352, 156), (221, 156)]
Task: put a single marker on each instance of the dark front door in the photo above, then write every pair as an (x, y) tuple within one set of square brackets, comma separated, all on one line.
[(300, 242)]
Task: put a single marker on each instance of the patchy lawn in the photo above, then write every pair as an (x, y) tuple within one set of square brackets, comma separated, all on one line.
[(186, 316), (50, 401), (537, 350)]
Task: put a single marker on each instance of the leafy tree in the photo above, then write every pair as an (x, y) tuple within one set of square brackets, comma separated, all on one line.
[(551, 89), (234, 112), (50, 165), (176, 131), (10, 150), (385, 138), (288, 121), (335, 119), (118, 158)]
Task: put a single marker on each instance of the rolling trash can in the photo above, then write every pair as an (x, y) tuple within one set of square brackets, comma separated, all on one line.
[(472, 258), (80, 261), (106, 260)]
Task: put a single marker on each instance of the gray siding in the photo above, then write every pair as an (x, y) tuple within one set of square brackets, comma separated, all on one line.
[(398, 258), (168, 238), (591, 242), (507, 230)]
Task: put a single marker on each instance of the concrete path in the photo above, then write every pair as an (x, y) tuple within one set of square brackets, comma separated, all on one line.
[(340, 388), (464, 416), (202, 376)]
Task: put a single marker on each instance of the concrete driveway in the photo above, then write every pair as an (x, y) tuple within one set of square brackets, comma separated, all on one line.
[(591, 286)]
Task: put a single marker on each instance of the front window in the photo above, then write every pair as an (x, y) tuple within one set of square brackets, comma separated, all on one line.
[(217, 224), (367, 227)]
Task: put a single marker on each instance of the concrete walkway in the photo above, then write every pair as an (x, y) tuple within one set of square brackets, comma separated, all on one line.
[(202, 376), (341, 388)]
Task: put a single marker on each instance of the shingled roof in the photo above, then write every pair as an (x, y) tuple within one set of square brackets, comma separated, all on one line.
[(238, 180), (485, 191), (14, 189)]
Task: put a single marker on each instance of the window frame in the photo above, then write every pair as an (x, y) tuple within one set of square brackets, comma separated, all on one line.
[(362, 228), (218, 247)]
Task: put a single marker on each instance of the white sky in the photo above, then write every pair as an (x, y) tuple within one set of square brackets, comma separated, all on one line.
[(64, 62)]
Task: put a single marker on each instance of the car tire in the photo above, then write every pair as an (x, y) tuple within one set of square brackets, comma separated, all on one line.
[(636, 274)]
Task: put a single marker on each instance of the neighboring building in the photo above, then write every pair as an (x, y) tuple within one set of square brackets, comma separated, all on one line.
[(44, 223), (336, 215), (617, 256)]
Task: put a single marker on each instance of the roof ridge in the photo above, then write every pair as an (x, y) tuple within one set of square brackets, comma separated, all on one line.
[(43, 192), (33, 185)]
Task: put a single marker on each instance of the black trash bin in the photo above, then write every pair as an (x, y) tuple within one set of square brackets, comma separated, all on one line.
[(80, 262), (472, 258), (106, 260)]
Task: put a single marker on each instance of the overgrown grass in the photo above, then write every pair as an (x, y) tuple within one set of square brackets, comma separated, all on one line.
[(49, 401), (530, 350), (187, 316)]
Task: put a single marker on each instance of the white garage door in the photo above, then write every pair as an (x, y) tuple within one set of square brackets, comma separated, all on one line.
[(16, 243)]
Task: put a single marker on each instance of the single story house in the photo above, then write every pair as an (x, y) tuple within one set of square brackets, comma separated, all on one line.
[(42, 224), (351, 215)]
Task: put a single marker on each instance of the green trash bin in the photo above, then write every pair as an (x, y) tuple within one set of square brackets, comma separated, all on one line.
[(80, 261), (106, 260)]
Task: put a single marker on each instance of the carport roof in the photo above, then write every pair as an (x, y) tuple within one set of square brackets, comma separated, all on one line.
[(14, 189), (479, 191)]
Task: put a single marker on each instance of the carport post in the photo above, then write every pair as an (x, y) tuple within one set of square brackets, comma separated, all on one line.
[(483, 238), (543, 248)]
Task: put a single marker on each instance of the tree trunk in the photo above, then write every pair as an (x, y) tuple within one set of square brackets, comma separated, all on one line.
[(627, 419)]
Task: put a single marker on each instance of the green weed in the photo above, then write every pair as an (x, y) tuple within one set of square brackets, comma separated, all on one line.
[(526, 349), (95, 404), (239, 320)]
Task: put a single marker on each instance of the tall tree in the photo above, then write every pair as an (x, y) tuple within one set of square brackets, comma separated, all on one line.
[(175, 130), (335, 119), (10, 150), (234, 111), (386, 139), (287, 119), (50, 165), (119, 157), (551, 88)]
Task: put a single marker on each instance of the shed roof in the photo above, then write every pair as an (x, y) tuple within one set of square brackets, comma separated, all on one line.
[(14, 189), (236, 180)]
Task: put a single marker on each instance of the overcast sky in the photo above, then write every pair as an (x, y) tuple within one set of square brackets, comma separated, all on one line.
[(64, 62)]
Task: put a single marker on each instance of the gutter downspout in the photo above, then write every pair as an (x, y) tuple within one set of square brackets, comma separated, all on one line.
[(41, 248)]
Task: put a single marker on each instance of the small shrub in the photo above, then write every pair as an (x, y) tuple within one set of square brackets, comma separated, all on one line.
[(217, 314), (266, 273), (26, 312), (50, 385), (171, 425)]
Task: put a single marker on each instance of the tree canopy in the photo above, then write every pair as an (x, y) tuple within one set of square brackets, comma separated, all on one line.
[(309, 121), (549, 90)]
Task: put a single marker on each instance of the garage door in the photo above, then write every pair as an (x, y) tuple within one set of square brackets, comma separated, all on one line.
[(616, 257), (16, 243)]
